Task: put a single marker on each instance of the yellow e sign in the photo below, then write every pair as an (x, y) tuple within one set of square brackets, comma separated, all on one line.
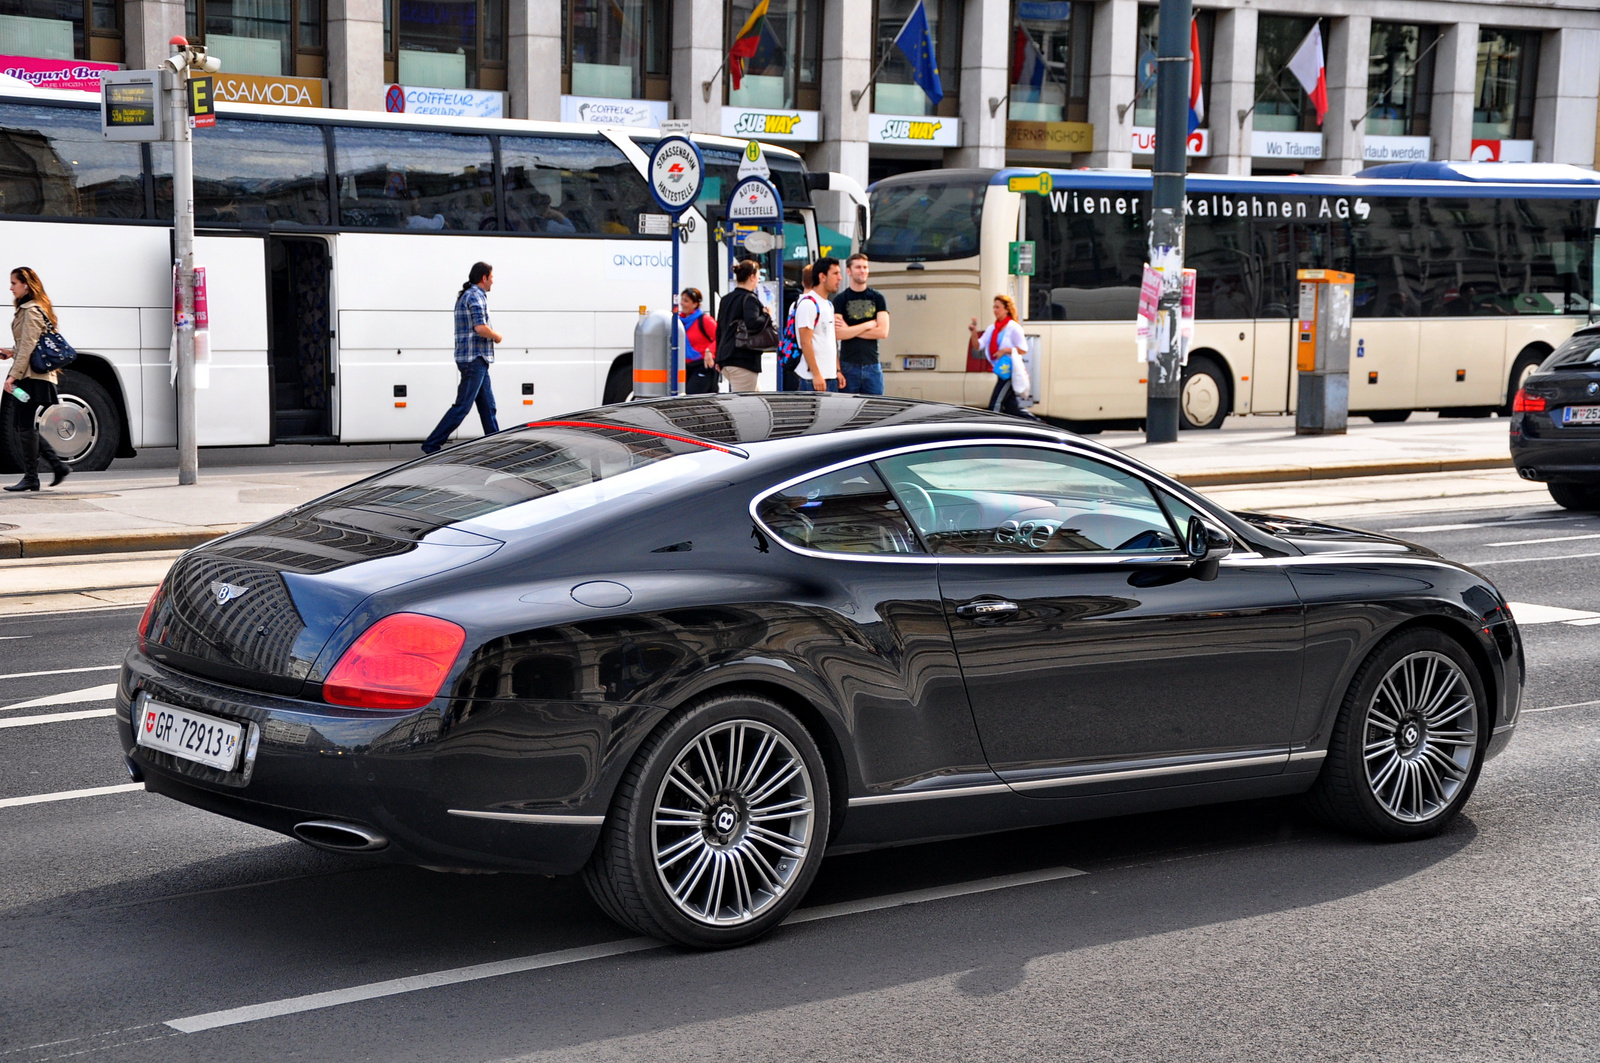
[(202, 104)]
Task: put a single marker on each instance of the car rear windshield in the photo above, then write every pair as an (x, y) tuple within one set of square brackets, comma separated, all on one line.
[(1579, 350), (926, 218), (489, 476)]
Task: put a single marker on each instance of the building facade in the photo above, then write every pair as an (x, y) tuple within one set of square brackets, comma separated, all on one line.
[(1025, 82)]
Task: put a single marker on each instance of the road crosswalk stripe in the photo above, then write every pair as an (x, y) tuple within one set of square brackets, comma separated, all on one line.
[(63, 671), (103, 692), (55, 717), (69, 795)]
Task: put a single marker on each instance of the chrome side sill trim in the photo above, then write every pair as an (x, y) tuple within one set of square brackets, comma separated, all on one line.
[(533, 817), (928, 795), (1154, 772), (1308, 754), (1503, 728)]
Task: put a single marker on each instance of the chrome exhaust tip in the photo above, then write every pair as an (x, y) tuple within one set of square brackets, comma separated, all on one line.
[(339, 837)]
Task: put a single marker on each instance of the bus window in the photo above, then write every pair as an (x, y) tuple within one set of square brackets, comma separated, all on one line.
[(1388, 281), (571, 185), (1088, 262), (931, 218), (253, 174), (54, 163), (405, 179)]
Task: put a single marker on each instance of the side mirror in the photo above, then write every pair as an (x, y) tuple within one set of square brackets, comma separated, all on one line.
[(1206, 546)]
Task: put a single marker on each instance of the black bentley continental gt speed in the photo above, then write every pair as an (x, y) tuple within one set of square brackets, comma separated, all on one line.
[(685, 647)]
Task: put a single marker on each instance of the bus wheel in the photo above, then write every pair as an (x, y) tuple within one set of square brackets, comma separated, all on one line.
[(1388, 416), (83, 427), (1525, 364), (619, 384), (1203, 402)]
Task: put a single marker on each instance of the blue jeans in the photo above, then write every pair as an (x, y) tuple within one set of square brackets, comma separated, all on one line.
[(473, 390), (831, 384), (863, 379)]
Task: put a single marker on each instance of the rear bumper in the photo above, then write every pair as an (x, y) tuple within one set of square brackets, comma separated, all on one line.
[(308, 761), (1542, 451)]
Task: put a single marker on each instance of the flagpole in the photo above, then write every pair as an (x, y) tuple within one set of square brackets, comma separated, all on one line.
[(856, 94), (1408, 73), (705, 86)]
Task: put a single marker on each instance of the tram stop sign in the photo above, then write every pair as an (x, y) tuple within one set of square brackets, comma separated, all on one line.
[(676, 174)]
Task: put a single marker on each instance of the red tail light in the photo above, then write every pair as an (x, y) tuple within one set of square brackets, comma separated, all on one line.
[(398, 663), (1525, 403), (149, 611)]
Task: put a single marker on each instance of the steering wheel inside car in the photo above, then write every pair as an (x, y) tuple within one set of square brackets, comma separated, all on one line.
[(915, 494)]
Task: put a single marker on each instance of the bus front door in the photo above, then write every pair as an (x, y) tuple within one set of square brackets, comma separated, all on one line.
[(1273, 262), (299, 339)]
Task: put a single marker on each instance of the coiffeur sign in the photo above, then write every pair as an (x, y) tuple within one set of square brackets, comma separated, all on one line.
[(279, 92)]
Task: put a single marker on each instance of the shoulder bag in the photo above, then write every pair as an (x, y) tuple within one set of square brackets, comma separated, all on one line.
[(763, 339), (51, 352)]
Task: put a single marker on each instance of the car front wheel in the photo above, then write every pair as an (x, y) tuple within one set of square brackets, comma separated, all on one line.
[(1404, 755), (717, 828)]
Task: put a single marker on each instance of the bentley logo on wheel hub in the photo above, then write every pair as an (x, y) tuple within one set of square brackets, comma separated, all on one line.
[(725, 820), (228, 592)]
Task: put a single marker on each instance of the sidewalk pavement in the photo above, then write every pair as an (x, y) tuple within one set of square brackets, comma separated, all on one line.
[(144, 509)]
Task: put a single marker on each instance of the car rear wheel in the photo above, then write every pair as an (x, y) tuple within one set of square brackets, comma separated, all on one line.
[(717, 828), (1584, 498), (1404, 755)]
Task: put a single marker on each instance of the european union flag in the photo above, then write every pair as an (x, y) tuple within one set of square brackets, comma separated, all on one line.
[(917, 44)]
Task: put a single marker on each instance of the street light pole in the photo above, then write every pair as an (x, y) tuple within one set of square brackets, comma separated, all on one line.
[(1165, 372), (176, 76)]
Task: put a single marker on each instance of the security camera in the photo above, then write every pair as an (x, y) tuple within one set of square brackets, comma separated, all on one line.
[(210, 64)]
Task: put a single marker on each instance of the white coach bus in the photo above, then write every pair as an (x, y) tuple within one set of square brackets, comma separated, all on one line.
[(1467, 275), (334, 244)]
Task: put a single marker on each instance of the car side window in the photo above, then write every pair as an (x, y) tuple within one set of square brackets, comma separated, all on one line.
[(985, 500), (848, 511)]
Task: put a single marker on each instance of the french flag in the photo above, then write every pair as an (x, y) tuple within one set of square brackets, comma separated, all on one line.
[(1309, 69), (1197, 99), (1027, 65)]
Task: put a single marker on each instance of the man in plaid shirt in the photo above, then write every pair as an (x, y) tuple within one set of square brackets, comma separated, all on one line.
[(475, 341)]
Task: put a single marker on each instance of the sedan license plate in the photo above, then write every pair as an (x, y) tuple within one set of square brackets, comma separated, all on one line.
[(190, 735), (921, 361), (1581, 415)]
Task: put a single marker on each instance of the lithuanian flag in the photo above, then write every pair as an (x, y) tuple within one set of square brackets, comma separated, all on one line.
[(745, 42)]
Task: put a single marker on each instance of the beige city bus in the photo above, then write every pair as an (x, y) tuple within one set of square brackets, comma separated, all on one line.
[(1467, 275)]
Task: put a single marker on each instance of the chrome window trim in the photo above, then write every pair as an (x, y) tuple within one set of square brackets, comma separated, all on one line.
[(1054, 447), (556, 819)]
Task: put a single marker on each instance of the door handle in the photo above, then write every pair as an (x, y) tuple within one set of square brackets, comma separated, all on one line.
[(986, 609)]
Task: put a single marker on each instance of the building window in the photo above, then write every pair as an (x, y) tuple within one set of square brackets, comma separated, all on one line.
[(1400, 79), (1508, 62), (1144, 109), (62, 29), (620, 49), (445, 44), (278, 38), (786, 69), (1050, 60), (895, 92), (1283, 105)]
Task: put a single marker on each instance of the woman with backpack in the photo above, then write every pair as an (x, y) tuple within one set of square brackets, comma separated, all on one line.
[(700, 360), (32, 391)]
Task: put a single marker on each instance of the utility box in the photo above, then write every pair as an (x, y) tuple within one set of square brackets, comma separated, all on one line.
[(1322, 351), (652, 357)]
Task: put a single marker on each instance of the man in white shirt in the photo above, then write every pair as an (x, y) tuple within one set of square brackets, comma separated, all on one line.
[(813, 326)]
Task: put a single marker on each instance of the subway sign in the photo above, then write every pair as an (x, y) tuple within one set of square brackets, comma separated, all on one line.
[(756, 123), (914, 132)]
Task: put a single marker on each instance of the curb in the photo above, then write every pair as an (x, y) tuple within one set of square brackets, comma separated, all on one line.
[(23, 546), (1299, 473)]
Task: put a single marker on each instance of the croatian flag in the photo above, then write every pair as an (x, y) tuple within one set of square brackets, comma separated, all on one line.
[(1309, 69), (1197, 100), (1027, 65)]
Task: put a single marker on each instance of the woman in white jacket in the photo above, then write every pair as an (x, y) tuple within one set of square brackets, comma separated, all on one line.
[(1003, 344)]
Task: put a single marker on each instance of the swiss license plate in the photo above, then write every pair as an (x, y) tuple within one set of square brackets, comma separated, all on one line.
[(921, 361), (1581, 415), (190, 735)]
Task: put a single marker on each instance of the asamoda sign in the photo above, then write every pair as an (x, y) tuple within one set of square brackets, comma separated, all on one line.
[(277, 92)]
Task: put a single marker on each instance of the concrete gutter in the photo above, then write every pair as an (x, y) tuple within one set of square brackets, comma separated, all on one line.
[(1298, 473), (24, 544)]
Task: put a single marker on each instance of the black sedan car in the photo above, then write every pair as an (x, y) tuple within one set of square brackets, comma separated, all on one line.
[(685, 646), (1555, 423)]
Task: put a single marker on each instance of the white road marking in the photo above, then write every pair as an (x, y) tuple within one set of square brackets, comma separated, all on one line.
[(1480, 524), (104, 692), (372, 990), (69, 795), (1551, 539), (1520, 560), (63, 671), (10, 638), (55, 717), (1571, 705), (1526, 614)]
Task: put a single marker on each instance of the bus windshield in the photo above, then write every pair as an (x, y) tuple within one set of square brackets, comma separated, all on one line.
[(929, 217)]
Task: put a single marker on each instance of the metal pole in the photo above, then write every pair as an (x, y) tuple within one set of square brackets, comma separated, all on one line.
[(183, 232), (1166, 219), (672, 310)]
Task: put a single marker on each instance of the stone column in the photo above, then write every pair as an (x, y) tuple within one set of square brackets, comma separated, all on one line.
[(1349, 40), (985, 74), (1455, 81), (1564, 114), (355, 54), (697, 36), (533, 59), (1233, 89), (1112, 75), (149, 25), (847, 35)]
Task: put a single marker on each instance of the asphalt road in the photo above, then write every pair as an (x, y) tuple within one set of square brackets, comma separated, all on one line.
[(1233, 932)]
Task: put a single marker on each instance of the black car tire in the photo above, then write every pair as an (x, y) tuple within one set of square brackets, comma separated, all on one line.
[(619, 384), (1583, 498), (94, 410), (1388, 416), (622, 875), (1196, 410), (1345, 794)]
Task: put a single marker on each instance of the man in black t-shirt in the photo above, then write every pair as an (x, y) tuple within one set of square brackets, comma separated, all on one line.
[(862, 319)]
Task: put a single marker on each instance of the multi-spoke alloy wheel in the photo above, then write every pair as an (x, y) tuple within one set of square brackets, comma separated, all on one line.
[(717, 827), (1403, 756), (733, 822), (1421, 736)]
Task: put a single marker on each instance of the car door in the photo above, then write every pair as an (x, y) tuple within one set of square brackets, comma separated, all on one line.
[(1095, 655)]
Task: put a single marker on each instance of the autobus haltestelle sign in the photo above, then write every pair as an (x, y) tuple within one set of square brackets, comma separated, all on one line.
[(675, 174)]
